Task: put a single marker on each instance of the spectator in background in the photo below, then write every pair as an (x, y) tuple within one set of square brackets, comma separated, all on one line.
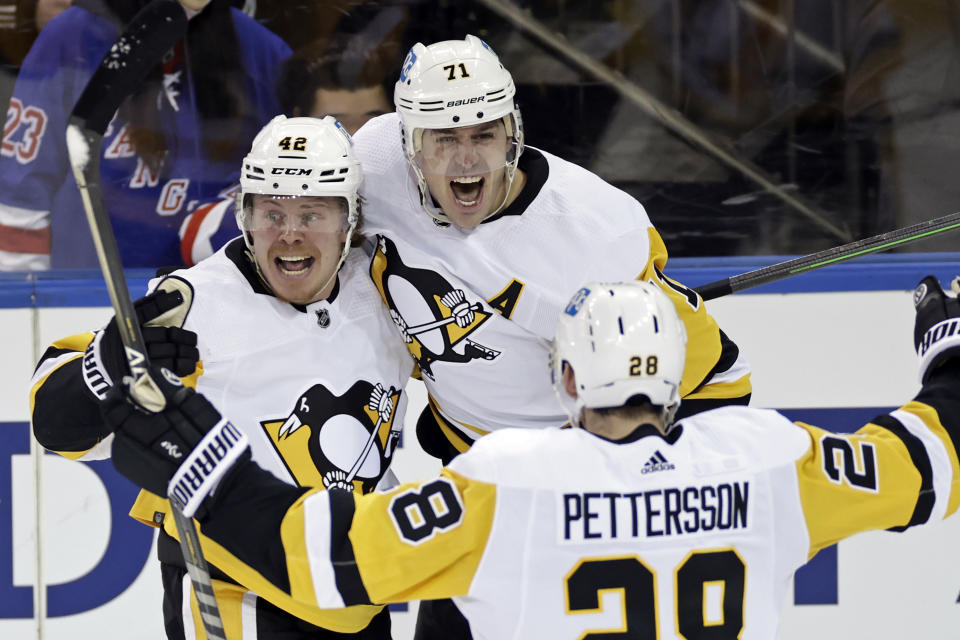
[(174, 145), (47, 10), (345, 77)]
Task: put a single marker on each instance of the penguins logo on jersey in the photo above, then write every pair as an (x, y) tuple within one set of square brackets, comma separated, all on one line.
[(435, 318), (340, 441)]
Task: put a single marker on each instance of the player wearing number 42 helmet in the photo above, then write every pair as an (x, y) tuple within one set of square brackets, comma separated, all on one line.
[(482, 239), (699, 524), (290, 334)]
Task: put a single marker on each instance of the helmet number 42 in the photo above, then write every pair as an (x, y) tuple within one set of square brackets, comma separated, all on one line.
[(295, 144)]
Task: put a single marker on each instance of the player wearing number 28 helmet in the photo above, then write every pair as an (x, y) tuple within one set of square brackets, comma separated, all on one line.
[(698, 524)]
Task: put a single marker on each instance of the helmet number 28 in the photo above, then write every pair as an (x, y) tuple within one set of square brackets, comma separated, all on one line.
[(294, 144), (640, 366)]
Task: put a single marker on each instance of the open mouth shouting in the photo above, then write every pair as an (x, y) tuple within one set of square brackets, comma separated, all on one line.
[(294, 266), (468, 190)]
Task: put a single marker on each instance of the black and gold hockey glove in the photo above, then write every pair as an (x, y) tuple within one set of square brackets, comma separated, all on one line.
[(936, 334), (105, 361), (183, 450)]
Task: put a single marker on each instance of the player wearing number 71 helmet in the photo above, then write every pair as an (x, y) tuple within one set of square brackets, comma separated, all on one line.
[(529, 528), (484, 238)]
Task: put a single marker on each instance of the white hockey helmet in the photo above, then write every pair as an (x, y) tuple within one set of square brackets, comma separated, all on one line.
[(452, 84), (622, 340), (295, 157)]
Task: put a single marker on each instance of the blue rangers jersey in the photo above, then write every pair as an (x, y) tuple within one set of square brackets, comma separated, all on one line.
[(41, 218)]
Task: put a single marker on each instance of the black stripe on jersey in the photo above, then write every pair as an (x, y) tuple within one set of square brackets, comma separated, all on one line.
[(52, 353), (346, 574), (244, 515), (940, 392), (239, 255), (537, 169), (729, 352), (693, 406), (918, 454), (237, 252)]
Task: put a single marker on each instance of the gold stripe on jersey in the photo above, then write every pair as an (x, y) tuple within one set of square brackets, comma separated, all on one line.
[(292, 530), (441, 565), (348, 620), (451, 432), (931, 420), (148, 508), (78, 343), (230, 605), (703, 334), (836, 509), (717, 390)]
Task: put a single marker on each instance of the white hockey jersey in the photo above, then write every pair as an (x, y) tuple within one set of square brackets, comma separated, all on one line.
[(478, 308), (558, 533), (304, 383)]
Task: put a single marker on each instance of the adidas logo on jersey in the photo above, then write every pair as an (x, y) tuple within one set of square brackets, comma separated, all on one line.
[(657, 463)]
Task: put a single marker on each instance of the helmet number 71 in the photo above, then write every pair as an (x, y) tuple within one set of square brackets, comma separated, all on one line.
[(451, 70)]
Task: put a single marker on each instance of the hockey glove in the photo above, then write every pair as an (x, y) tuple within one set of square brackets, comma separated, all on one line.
[(105, 360), (182, 451), (936, 334)]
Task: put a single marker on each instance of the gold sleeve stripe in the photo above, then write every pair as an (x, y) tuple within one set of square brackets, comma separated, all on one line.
[(719, 390), (348, 620), (459, 441), (441, 564), (704, 348), (77, 343), (837, 502), (931, 420), (292, 531), (148, 508)]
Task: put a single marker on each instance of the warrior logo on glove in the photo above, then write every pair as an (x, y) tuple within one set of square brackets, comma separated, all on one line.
[(435, 318), (338, 441), (936, 334)]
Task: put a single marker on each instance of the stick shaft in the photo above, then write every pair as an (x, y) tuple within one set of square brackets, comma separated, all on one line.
[(148, 36), (781, 270)]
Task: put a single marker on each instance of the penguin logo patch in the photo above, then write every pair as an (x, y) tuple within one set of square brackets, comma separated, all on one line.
[(343, 442), (436, 319)]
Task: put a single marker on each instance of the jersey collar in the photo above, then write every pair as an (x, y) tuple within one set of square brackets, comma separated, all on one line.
[(535, 166), (238, 254)]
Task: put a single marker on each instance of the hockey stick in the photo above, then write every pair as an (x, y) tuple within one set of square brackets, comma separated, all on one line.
[(151, 33), (835, 255)]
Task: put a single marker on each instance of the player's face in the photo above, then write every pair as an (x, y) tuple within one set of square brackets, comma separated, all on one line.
[(297, 242), (351, 108), (465, 170)]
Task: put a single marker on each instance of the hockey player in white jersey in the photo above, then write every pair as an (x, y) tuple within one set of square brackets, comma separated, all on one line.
[(483, 239), (291, 334), (698, 524)]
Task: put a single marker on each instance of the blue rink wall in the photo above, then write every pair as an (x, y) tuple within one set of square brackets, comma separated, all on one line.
[(832, 347)]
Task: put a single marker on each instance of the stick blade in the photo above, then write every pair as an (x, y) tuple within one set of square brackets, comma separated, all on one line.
[(144, 41)]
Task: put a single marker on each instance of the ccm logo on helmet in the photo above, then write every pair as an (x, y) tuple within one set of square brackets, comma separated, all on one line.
[(291, 171), (457, 103)]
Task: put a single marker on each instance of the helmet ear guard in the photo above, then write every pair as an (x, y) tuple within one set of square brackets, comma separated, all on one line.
[(622, 340)]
